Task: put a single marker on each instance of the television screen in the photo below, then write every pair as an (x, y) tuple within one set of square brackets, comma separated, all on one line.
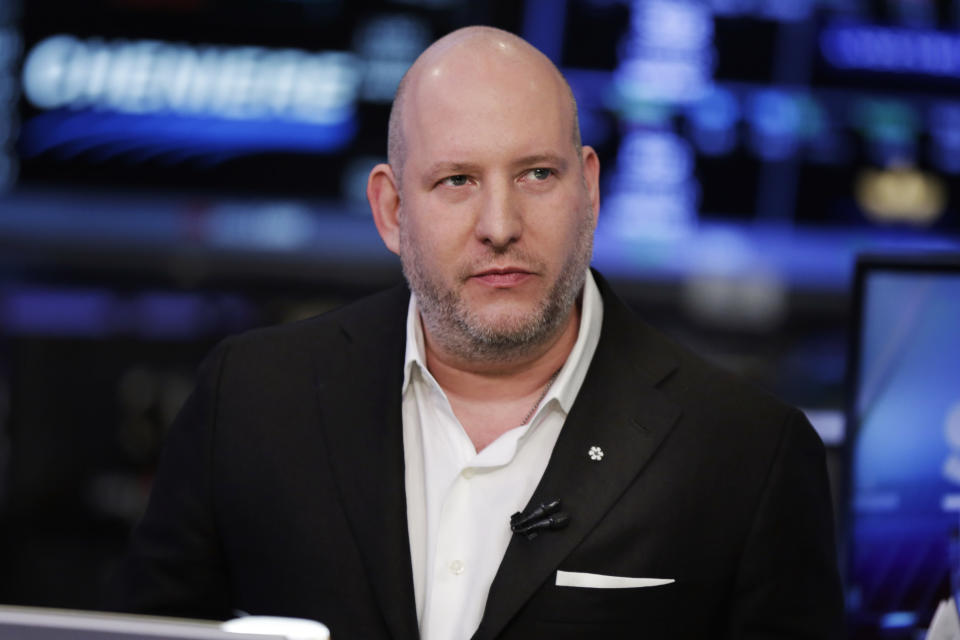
[(904, 529), (268, 98)]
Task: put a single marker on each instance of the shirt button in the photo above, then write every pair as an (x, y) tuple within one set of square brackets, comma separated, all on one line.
[(468, 473), (456, 567)]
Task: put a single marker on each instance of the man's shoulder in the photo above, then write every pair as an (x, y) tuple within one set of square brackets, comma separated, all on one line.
[(715, 385), (377, 317), (701, 387), (734, 407)]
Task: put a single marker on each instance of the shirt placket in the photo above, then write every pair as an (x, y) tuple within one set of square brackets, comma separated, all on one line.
[(451, 569)]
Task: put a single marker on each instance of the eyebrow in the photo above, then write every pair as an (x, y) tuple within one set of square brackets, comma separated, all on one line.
[(447, 168), (542, 158)]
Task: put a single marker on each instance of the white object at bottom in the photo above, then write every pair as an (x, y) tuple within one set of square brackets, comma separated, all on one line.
[(289, 628), (599, 581)]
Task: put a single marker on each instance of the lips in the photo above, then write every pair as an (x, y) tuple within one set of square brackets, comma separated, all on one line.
[(503, 277)]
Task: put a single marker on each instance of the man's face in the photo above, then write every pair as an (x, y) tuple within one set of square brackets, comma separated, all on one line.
[(496, 221)]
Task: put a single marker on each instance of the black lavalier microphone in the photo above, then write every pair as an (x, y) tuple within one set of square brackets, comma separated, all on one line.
[(543, 518)]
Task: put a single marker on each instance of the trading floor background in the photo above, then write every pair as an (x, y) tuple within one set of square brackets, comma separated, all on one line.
[(173, 171)]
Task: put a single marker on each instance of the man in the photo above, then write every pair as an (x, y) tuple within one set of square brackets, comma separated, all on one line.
[(362, 467)]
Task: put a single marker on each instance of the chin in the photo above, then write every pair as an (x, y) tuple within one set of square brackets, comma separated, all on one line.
[(515, 318), (528, 324)]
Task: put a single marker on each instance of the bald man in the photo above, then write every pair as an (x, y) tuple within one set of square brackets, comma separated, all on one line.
[(499, 449)]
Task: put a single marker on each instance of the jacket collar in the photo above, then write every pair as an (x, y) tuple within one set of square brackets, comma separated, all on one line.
[(619, 409), (361, 421)]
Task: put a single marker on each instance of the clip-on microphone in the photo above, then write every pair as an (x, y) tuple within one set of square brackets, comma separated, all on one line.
[(545, 517)]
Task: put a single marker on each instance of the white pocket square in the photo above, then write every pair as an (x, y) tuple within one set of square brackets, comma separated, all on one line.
[(598, 581)]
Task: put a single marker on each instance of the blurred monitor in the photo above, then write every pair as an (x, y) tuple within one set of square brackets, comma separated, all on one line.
[(905, 449), (31, 623)]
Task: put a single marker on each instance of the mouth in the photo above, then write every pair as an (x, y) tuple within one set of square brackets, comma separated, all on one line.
[(503, 277)]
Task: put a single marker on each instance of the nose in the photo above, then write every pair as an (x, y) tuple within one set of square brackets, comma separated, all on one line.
[(499, 221)]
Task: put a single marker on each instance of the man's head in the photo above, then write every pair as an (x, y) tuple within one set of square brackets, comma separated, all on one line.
[(396, 142), (489, 199)]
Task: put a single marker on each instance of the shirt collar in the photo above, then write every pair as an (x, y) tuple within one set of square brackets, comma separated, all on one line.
[(567, 385), (416, 351), (565, 388)]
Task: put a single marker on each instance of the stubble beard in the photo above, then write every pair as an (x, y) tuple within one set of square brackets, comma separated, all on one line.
[(465, 334)]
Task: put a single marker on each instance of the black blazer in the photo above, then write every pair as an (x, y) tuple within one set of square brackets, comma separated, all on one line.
[(281, 491)]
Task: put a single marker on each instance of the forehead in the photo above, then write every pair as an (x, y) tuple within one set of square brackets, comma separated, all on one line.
[(486, 110)]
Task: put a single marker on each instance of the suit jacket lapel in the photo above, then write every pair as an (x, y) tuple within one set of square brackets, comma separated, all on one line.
[(361, 415), (619, 410)]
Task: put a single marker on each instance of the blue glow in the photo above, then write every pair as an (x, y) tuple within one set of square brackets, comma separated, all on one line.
[(668, 53), (784, 10), (392, 37), (280, 226), (654, 158), (787, 10), (97, 313), (775, 120), (591, 88), (719, 109), (672, 26), (172, 315), (891, 128), (891, 49), (149, 76), (713, 122), (543, 24), (9, 168), (144, 137), (653, 193), (898, 620), (731, 7), (947, 159), (679, 79), (649, 212), (945, 132), (775, 113), (38, 311), (388, 44)]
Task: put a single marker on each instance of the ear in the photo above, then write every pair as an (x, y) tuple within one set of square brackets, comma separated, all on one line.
[(591, 178), (383, 195)]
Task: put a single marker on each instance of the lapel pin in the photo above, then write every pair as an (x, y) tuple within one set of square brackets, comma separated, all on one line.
[(595, 453)]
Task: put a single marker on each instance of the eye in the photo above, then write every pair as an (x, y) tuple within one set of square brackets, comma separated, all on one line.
[(455, 181), (540, 174)]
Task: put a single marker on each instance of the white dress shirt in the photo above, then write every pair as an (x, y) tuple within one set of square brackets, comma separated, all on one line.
[(459, 501)]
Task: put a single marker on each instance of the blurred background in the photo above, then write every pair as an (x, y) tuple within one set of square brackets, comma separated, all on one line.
[(173, 171)]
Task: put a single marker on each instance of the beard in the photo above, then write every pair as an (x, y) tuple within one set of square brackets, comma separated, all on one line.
[(463, 332)]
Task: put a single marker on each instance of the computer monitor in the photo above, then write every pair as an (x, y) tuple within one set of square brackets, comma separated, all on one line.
[(904, 453), (33, 623)]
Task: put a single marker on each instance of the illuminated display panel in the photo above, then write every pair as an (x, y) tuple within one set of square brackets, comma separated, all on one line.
[(904, 525), (274, 98), (821, 114)]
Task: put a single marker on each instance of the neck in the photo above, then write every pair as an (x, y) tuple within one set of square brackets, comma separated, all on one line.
[(491, 398), (509, 378)]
